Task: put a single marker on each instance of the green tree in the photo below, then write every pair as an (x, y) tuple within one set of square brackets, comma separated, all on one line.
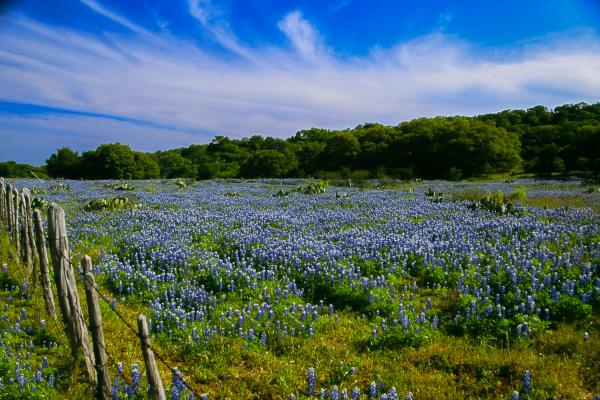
[(375, 141), (146, 166), (451, 147), (174, 165), (540, 140), (269, 164), (114, 161), (65, 163), (226, 156), (340, 151), (10, 169)]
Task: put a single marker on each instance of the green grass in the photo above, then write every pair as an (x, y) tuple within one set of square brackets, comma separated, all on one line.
[(562, 363), (571, 201), (519, 196)]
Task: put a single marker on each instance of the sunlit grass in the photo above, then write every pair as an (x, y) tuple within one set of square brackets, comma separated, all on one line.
[(567, 201), (563, 364)]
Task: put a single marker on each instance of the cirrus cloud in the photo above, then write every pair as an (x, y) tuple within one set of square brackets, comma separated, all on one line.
[(175, 83)]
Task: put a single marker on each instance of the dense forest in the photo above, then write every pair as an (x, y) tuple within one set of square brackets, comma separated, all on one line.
[(538, 140), (13, 170)]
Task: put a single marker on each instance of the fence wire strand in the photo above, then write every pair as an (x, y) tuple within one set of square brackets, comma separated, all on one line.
[(157, 355), (131, 328)]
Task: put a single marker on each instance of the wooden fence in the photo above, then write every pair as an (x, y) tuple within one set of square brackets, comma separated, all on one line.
[(26, 232)]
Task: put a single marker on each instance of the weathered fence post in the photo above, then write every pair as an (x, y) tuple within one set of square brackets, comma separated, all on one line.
[(103, 388), (9, 211), (26, 255), (5, 221), (29, 221), (20, 226), (2, 201), (156, 387), (43, 260), (67, 288), (15, 222), (5, 205), (56, 251)]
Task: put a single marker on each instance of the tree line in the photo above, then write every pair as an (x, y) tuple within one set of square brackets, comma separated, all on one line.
[(11, 169), (538, 140)]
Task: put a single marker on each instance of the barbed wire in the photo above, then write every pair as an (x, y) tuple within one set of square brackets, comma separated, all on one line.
[(131, 328), (157, 355), (59, 327)]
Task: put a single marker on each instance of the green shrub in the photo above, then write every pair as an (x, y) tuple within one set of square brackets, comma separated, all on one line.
[(495, 203), (397, 337), (181, 184), (61, 187), (119, 186), (519, 194), (38, 202), (109, 204), (318, 187), (570, 309)]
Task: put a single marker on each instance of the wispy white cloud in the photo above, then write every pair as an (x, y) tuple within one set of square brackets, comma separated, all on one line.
[(303, 36), (172, 82), (211, 18), (119, 19)]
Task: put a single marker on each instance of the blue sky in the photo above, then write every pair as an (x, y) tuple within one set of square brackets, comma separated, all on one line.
[(164, 74)]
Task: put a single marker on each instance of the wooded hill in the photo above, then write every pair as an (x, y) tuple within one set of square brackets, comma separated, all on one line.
[(537, 140)]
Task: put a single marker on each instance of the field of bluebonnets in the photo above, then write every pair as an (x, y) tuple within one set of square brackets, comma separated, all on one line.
[(299, 289)]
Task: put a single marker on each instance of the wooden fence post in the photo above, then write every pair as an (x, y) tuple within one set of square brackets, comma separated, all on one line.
[(9, 202), (43, 260), (15, 222), (29, 221), (103, 387), (10, 208), (26, 255), (21, 225), (68, 296), (5, 206), (6, 220), (2, 200), (56, 251), (156, 387)]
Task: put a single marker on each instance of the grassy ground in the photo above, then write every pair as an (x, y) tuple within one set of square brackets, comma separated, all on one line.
[(122, 345), (574, 201), (562, 363)]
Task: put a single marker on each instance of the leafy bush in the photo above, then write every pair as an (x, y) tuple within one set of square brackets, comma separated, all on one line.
[(434, 196), (109, 204), (7, 282), (495, 203), (38, 202), (119, 186), (281, 193), (519, 194), (318, 187), (397, 336), (570, 309), (61, 187), (181, 184), (311, 188)]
